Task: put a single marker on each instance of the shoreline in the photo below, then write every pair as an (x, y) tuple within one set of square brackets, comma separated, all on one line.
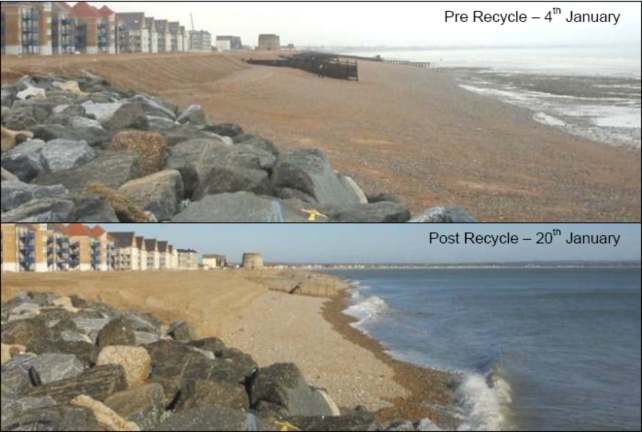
[(272, 326), (462, 149), (431, 391)]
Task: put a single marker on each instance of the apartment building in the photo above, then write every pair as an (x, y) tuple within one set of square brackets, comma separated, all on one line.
[(176, 37), (212, 262), (26, 27), (173, 257), (55, 27), (187, 259), (85, 253), (163, 249), (200, 41), (127, 257), (142, 253), (133, 34), (150, 26), (164, 36), (63, 29), (107, 31), (151, 248)]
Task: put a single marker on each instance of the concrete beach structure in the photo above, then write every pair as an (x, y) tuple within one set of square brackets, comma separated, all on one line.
[(252, 261), (228, 43), (269, 42)]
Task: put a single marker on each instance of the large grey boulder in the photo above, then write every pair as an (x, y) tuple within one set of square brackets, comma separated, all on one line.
[(155, 107), (202, 392), (14, 376), (160, 193), (194, 159), (7, 176), (98, 383), (24, 160), (357, 420), (214, 418), (60, 155), (231, 178), (48, 210), (257, 142), (281, 390), (143, 405), (53, 418), (93, 209), (17, 193), (129, 116), (52, 367), (194, 115), (382, 212), (112, 169), (444, 215), (310, 172), (240, 207), (24, 117), (351, 185), (102, 112), (14, 407), (226, 129), (117, 332), (95, 137)]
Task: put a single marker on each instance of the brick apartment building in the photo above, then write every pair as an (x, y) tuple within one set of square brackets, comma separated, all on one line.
[(55, 27), (77, 247)]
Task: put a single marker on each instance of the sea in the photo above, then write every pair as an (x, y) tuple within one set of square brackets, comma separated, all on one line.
[(537, 348), (589, 91)]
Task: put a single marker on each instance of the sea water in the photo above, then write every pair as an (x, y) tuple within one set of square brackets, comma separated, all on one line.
[(591, 92), (538, 348)]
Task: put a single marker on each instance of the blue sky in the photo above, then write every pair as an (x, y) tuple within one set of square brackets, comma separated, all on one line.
[(408, 243)]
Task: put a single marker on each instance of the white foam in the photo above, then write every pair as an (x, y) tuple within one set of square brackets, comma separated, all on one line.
[(366, 309), (548, 120), (485, 402)]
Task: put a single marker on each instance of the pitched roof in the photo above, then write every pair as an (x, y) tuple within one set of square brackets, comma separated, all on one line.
[(162, 246), (122, 239), (97, 231), (150, 245), (62, 6), (139, 242), (133, 20), (84, 10), (161, 26), (77, 230), (105, 12)]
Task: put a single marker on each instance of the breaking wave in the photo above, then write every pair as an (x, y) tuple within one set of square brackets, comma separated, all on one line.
[(485, 402), (365, 308)]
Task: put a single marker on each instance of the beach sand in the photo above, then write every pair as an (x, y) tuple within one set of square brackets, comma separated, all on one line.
[(400, 129), (271, 326)]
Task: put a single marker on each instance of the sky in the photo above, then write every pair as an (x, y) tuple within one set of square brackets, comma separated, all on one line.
[(392, 23), (348, 243)]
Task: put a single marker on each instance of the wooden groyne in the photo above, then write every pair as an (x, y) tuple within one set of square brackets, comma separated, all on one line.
[(325, 65), (423, 65)]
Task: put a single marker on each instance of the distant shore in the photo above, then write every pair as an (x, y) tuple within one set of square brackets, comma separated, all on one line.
[(309, 330), (409, 131)]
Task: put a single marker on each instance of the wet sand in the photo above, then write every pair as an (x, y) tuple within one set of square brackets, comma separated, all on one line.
[(400, 129), (272, 326)]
